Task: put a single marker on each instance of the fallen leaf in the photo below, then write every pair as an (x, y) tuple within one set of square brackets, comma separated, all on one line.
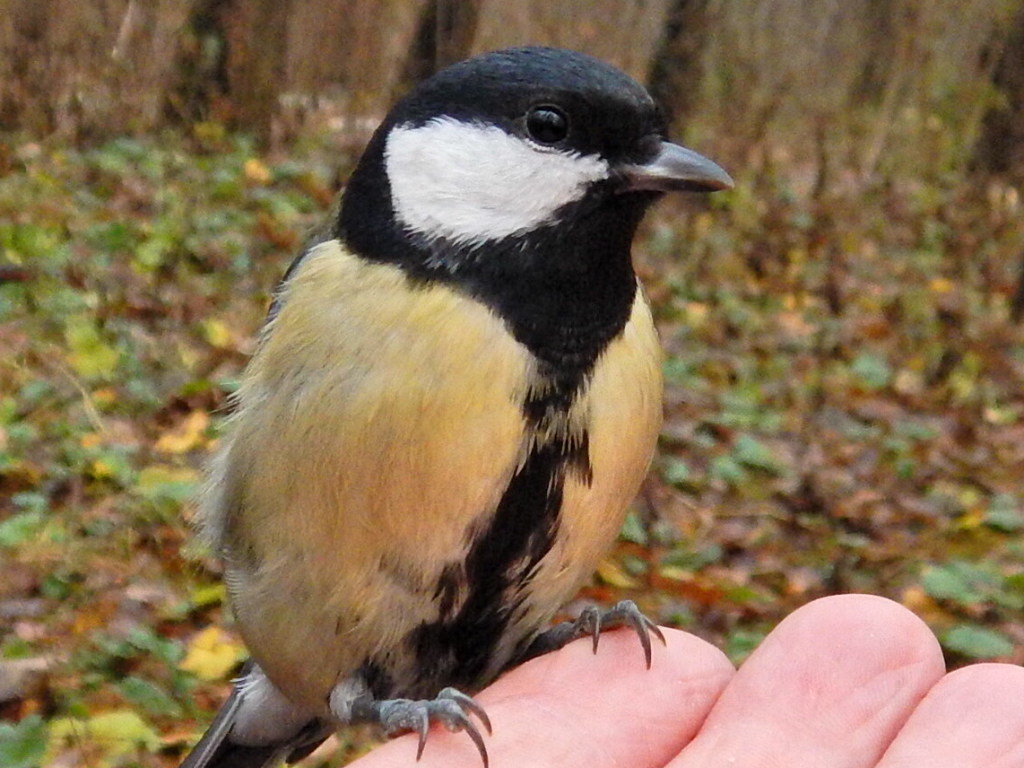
[(89, 355), (212, 654), (217, 333), (161, 481), (611, 573), (256, 172), (187, 435), (115, 733)]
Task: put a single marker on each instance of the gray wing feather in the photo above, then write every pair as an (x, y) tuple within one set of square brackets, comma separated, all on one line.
[(216, 750)]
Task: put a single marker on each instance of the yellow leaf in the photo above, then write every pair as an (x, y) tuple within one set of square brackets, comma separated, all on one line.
[(217, 334), (256, 171), (209, 131), (797, 256), (1000, 416), (941, 285), (89, 355), (972, 519), (116, 734), (212, 654), (105, 396), (189, 356), (187, 435), (696, 313), (210, 594), (611, 573), (915, 598), (101, 469), (675, 573)]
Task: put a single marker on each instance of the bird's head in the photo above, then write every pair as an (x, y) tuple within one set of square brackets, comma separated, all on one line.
[(509, 147)]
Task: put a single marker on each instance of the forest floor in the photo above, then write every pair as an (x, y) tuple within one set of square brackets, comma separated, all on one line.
[(844, 412)]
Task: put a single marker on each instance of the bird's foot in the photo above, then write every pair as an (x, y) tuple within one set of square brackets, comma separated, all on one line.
[(451, 708), (591, 623)]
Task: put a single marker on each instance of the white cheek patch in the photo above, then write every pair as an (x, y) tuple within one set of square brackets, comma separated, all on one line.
[(469, 182)]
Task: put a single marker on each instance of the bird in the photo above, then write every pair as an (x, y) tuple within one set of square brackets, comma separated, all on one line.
[(453, 400)]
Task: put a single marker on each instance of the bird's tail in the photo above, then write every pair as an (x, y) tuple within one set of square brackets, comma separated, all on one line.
[(216, 749)]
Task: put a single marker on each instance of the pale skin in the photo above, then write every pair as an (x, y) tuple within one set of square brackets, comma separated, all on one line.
[(845, 682)]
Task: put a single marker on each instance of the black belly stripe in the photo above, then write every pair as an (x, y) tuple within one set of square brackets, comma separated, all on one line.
[(552, 404), (459, 647)]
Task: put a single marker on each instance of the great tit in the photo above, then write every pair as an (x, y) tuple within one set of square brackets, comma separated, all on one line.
[(455, 397)]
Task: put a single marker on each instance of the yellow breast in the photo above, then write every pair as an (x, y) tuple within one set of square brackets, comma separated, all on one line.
[(378, 425)]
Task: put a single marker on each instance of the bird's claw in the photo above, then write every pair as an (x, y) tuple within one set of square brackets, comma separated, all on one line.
[(626, 614), (468, 704), (592, 622), (450, 707)]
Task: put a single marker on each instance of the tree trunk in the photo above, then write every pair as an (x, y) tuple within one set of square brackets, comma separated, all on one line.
[(1000, 147), (445, 35), (678, 67), (256, 34)]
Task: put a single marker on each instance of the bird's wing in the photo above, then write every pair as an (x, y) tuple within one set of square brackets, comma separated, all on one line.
[(216, 749)]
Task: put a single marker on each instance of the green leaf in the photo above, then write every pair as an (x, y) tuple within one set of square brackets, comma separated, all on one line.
[(1004, 514), (58, 585), (953, 581), (873, 371), (741, 644), (149, 697), (634, 565), (21, 528), (755, 455), (23, 744), (16, 648), (90, 356), (150, 253), (977, 642), (147, 640), (728, 469), (676, 472), (30, 501), (161, 482), (117, 733), (633, 531), (678, 371), (1015, 583), (691, 560)]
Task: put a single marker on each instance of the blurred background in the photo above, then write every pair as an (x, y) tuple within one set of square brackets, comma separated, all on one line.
[(845, 358)]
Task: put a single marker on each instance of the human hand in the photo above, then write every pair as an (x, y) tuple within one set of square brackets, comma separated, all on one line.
[(845, 682)]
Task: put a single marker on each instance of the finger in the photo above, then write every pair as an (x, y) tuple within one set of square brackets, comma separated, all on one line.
[(972, 718), (831, 686), (572, 708)]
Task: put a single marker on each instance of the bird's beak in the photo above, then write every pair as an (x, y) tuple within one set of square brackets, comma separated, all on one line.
[(675, 168)]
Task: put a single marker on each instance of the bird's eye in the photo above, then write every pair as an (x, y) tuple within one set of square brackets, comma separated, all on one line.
[(547, 125)]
